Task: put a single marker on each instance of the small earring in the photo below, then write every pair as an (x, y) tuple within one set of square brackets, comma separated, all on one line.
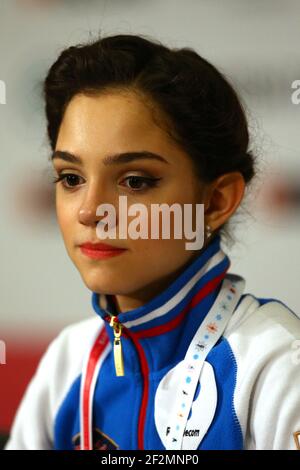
[(208, 231)]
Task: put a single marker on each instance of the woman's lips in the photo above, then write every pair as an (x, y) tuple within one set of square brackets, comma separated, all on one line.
[(100, 250)]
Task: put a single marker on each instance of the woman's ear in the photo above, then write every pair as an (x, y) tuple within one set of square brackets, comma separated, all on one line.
[(222, 198)]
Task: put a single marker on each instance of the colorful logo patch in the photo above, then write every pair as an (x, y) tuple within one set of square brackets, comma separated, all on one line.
[(297, 439), (100, 441)]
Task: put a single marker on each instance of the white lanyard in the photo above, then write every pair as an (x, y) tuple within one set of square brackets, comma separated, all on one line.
[(210, 330)]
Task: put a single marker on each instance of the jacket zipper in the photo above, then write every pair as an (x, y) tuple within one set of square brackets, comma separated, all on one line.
[(118, 353), (119, 366)]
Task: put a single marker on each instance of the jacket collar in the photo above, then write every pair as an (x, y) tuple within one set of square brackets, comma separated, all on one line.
[(201, 280)]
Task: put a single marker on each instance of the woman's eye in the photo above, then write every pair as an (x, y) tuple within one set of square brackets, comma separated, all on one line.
[(69, 180), (137, 181)]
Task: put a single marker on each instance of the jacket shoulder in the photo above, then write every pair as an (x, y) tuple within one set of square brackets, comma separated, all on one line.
[(264, 337), (258, 319)]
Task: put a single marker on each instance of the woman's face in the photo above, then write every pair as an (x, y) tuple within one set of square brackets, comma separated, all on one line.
[(100, 126)]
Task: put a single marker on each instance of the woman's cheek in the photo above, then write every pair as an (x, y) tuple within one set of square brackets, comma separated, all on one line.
[(66, 217)]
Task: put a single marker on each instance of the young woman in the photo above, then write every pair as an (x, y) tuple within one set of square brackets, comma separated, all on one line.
[(178, 355)]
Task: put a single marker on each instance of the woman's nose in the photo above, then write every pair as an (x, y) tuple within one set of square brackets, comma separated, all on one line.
[(87, 216), (90, 207)]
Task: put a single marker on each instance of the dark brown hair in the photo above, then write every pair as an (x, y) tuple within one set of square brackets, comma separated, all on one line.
[(199, 106)]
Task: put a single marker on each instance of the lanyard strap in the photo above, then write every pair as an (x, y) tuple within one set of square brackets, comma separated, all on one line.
[(207, 335)]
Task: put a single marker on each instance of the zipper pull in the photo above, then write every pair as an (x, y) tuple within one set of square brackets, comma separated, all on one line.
[(118, 355)]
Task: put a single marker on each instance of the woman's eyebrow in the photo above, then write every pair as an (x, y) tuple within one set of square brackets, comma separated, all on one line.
[(117, 158)]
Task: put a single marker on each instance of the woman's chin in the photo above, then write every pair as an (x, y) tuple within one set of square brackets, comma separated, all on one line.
[(102, 282)]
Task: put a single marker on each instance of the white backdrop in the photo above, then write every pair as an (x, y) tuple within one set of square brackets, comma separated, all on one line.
[(256, 43)]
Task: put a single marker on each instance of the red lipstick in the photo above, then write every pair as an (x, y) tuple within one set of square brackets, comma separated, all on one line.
[(100, 250)]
